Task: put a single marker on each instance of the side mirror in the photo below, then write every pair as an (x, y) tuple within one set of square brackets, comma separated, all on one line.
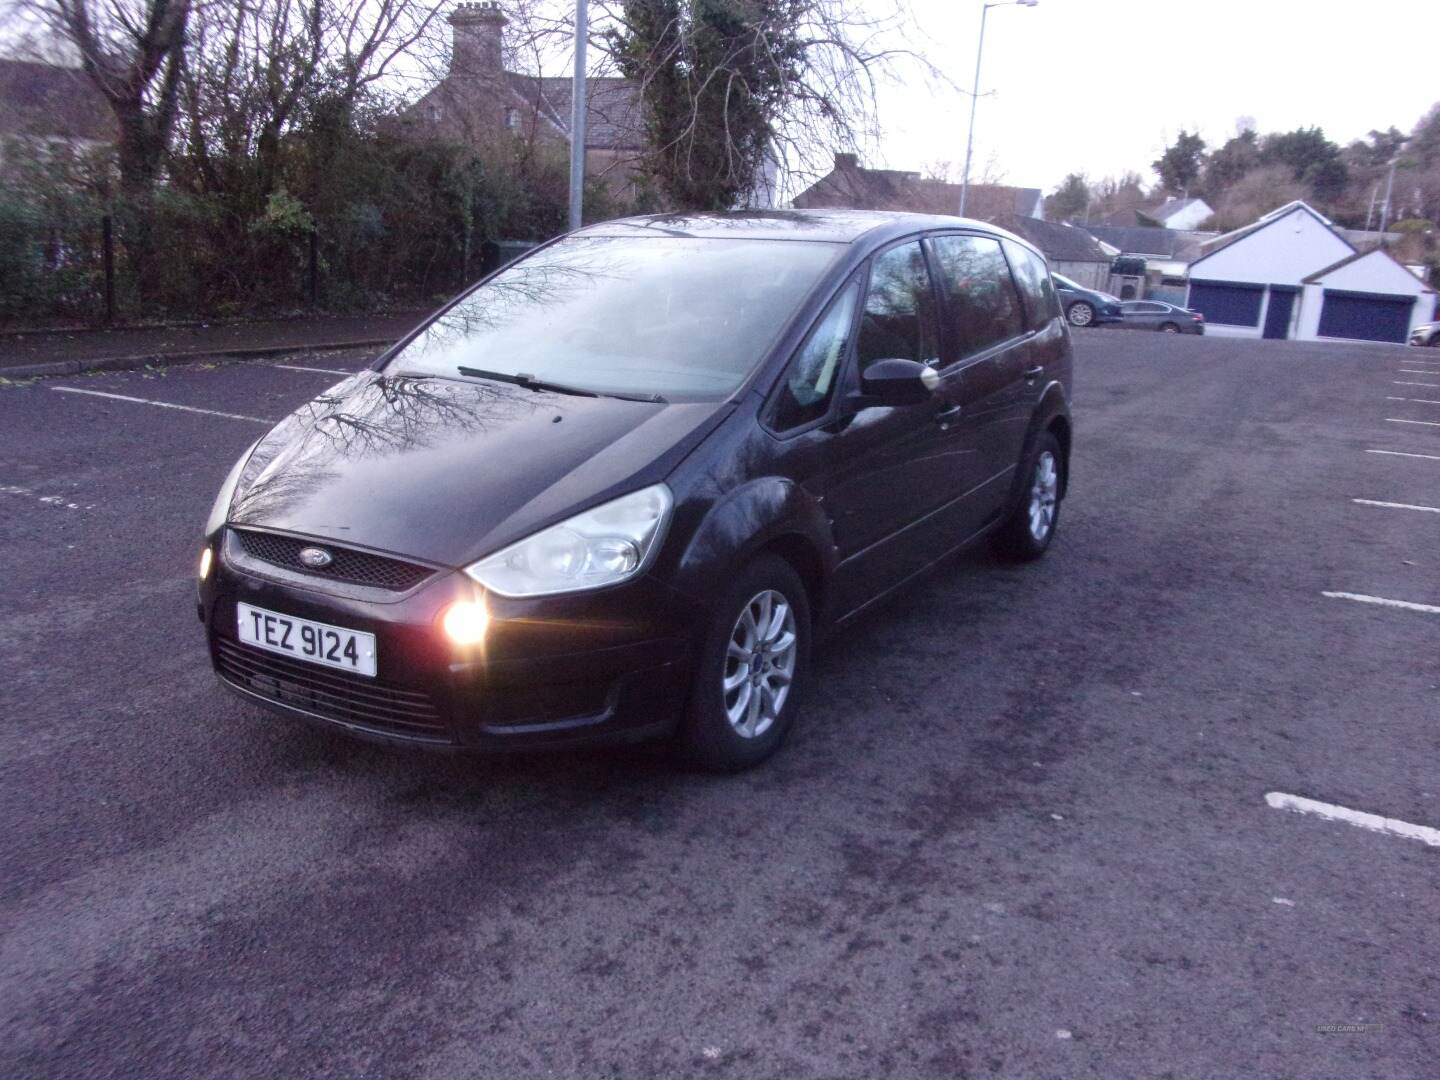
[(898, 382)]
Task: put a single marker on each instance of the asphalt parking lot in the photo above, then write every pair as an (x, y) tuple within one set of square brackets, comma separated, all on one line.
[(1021, 830)]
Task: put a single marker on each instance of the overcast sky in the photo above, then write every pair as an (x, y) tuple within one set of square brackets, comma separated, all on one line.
[(1100, 86)]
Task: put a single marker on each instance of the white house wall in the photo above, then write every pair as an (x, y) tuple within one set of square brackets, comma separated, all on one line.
[(1284, 252), (1375, 273)]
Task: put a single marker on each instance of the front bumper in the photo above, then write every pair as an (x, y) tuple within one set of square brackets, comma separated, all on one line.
[(608, 666)]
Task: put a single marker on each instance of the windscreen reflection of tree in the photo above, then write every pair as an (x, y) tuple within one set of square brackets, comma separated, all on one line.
[(522, 291), (372, 415)]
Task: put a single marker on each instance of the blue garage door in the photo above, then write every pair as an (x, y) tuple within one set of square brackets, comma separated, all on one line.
[(1366, 316), (1226, 302)]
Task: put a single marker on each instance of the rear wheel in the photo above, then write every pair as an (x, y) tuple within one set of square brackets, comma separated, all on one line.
[(752, 668), (1080, 313), (1028, 530)]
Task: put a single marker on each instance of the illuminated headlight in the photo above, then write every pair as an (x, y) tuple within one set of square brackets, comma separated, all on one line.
[(465, 622), (205, 558), (599, 547)]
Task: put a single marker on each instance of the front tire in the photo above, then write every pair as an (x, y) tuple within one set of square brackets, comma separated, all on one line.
[(1027, 532), (1080, 313), (1169, 328), (754, 664)]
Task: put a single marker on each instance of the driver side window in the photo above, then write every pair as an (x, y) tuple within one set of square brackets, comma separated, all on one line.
[(899, 317)]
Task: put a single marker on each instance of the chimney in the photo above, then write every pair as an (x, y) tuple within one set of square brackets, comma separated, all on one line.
[(847, 161), (478, 32)]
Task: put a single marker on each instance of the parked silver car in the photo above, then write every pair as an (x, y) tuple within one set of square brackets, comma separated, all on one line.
[(1426, 334), (1158, 315)]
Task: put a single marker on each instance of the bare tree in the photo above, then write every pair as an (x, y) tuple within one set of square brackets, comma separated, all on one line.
[(258, 68)]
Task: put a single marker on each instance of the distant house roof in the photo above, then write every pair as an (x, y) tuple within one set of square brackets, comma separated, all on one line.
[(1058, 242), (850, 186), (613, 118), (51, 101), (1172, 208), (1151, 240)]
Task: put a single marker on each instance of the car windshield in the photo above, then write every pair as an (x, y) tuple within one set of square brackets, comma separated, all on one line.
[(1064, 282), (682, 318)]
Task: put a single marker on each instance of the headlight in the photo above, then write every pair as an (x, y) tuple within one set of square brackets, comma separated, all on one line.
[(599, 547)]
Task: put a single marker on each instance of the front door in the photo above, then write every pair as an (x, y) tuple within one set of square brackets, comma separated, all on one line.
[(1277, 317), (891, 469)]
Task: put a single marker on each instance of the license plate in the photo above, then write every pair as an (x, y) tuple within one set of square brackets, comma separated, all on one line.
[(313, 642)]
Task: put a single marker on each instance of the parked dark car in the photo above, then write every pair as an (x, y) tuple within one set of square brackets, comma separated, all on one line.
[(616, 491), (1086, 307), (1426, 334), (1158, 315)]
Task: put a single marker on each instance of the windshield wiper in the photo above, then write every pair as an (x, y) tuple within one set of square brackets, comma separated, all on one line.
[(520, 378), (531, 383)]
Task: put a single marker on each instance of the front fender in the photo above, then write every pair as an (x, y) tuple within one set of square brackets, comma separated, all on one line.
[(746, 519)]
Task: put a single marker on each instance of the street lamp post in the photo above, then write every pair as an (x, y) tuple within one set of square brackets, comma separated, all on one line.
[(577, 119), (975, 93)]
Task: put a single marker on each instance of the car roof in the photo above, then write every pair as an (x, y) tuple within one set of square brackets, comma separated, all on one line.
[(826, 226)]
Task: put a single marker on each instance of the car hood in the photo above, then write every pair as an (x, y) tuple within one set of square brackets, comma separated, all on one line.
[(448, 471)]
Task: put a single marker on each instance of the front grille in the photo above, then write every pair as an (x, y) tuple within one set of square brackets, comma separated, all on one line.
[(356, 567), (371, 704)]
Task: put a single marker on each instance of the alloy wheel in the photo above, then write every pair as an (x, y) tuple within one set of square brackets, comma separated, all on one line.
[(1081, 315), (1044, 494), (759, 664)]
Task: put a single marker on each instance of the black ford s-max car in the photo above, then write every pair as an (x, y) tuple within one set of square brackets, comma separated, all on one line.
[(615, 491)]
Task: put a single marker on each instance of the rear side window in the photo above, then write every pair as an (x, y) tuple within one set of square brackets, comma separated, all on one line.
[(982, 306), (899, 317), (1033, 277), (809, 383)]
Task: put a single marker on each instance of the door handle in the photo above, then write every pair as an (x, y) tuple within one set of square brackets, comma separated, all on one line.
[(1031, 374)]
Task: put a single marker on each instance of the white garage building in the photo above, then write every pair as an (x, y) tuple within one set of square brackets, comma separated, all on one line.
[(1291, 275)]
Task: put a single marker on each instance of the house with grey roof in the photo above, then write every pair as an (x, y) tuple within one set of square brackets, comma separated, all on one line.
[(479, 101), (1069, 249), (850, 186), (1168, 253)]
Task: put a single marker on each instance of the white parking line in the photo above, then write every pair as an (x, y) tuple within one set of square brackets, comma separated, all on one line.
[(316, 370), (1418, 371), (1432, 385), (1397, 506), (1404, 605), (1422, 423), (1278, 800), (1416, 400), (160, 404), (1402, 453)]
